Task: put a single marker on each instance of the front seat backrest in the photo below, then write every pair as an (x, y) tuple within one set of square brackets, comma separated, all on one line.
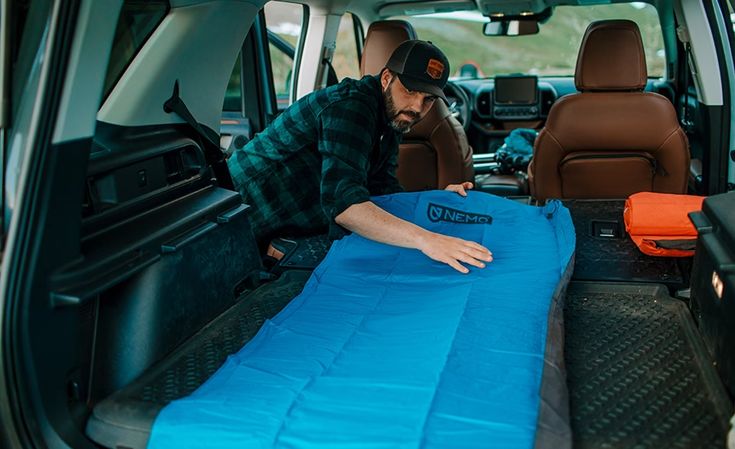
[(435, 152), (382, 38), (611, 139)]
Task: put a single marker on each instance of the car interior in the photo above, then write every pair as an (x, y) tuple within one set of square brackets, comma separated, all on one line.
[(130, 269)]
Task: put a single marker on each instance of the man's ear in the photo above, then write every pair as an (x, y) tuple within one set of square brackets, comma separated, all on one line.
[(385, 78)]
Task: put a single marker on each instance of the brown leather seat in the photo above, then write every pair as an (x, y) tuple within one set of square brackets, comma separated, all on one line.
[(611, 139), (435, 152)]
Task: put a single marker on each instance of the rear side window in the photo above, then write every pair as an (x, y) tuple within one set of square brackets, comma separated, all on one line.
[(284, 22), (138, 19), (346, 60), (233, 95)]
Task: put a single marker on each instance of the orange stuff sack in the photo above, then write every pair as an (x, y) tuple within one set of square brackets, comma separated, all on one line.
[(659, 223)]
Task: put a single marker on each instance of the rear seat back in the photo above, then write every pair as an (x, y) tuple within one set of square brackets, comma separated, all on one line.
[(611, 139)]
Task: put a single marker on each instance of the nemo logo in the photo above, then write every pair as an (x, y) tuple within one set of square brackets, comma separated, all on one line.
[(437, 213), (435, 68)]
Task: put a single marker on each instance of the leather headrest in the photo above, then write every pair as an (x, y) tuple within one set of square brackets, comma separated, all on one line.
[(611, 57), (382, 38)]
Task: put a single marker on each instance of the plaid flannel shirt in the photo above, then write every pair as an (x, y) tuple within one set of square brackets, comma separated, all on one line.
[(331, 149)]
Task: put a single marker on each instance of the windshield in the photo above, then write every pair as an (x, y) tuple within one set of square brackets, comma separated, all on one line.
[(551, 52)]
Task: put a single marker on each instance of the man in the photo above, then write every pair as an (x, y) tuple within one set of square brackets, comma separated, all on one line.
[(320, 161)]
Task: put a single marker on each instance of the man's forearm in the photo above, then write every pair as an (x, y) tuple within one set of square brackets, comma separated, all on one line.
[(374, 223)]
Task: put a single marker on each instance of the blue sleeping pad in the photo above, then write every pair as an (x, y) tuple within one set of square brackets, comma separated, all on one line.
[(385, 348)]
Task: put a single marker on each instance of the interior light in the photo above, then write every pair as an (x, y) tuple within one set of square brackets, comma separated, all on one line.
[(526, 13)]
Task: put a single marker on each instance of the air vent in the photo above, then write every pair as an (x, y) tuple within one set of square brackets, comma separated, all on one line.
[(548, 97), (484, 104)]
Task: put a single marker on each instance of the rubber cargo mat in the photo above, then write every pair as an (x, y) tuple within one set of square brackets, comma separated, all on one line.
[(125, 418), (616, 258), (638, 374)]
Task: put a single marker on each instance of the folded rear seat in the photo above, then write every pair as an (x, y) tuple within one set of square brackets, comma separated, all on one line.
[(387, 348)]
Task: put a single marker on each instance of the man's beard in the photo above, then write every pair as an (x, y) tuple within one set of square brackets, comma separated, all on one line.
[(400, 125)]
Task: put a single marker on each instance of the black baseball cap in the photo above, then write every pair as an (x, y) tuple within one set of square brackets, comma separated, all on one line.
[(420, 66)]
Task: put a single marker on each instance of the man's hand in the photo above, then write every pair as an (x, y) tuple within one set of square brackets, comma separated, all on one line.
[(452, 251), (374, 223), (460, 188)]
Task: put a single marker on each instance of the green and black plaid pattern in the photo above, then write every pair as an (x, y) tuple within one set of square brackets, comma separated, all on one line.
[(331, 149)]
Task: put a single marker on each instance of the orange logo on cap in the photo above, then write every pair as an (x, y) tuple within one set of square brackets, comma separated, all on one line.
[(435, 68)]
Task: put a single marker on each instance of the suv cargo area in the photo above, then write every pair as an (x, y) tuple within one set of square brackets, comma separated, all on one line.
[(131, 274)]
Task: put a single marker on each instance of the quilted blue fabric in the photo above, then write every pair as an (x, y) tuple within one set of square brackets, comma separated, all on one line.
[(385, 348)]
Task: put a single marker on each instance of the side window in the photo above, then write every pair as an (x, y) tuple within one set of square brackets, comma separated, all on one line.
[(346, 60), (233, 95), (136, 23), (283, 22)]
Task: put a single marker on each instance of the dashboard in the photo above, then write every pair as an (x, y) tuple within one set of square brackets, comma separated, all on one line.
[(514, 98), (498, 105)]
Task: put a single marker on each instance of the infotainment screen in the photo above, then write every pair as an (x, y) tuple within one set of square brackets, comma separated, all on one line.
[(515, 89)]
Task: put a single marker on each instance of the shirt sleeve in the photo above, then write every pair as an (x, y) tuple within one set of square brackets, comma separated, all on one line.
[(345, 142)]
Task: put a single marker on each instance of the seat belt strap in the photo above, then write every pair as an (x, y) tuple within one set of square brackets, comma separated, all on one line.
[(683, 34), (214, 156)]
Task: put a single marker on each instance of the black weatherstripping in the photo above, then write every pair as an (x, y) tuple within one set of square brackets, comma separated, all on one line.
[(255, 49), (719, 116), (259, 106), (300, 47)]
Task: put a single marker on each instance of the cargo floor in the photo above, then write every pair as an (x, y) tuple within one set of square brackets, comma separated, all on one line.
[(638, 373), (125, 419)]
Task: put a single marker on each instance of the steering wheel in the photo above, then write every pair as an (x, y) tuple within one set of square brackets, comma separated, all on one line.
[(459, 104)]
